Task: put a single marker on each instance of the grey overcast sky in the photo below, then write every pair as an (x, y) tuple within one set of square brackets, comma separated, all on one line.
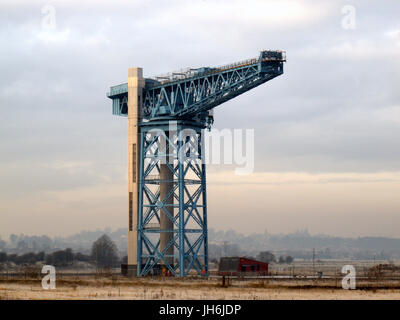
[(327, 132)]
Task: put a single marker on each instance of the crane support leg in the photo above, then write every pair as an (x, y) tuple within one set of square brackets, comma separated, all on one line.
[(167, 207), (172, 216)]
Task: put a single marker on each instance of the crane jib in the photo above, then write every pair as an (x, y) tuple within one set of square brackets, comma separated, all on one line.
[(190, 93)]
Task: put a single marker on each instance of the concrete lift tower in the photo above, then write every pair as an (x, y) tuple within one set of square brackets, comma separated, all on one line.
[(167, 173)]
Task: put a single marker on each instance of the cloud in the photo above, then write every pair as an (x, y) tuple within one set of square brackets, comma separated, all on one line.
[(299, 178), (334, 112)]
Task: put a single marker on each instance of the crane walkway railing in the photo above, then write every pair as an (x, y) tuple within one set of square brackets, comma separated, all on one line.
[(187, 73)]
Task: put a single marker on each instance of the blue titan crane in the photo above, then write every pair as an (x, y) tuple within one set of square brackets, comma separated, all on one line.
[(167, 199)]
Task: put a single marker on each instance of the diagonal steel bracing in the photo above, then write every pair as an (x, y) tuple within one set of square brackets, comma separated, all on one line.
[(181, 155)]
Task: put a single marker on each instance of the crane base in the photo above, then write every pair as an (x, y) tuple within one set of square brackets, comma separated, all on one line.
[(129, 270)]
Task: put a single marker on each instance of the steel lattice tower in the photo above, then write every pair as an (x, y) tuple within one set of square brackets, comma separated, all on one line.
[(167, 171)]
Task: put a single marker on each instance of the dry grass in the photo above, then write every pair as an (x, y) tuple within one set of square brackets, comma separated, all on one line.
[(116, 287)]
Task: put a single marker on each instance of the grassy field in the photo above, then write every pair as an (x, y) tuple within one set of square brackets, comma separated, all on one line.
[(69, 287), (375, 280)]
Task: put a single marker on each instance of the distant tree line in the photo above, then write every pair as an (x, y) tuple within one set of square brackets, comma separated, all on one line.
[(26, 258), (104, 253), (59, 258), (269, 257), (299, 244)]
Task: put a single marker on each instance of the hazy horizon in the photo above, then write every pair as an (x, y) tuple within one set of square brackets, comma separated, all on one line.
[(108, 230)]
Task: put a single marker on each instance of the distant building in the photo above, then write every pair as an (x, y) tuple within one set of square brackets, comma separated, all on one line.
[(241, 266)]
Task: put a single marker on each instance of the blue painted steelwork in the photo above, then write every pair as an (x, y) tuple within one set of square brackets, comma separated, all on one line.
[(184, 99), (184, 159)]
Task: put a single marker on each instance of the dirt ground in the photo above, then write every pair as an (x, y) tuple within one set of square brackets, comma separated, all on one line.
[(148, 289)]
